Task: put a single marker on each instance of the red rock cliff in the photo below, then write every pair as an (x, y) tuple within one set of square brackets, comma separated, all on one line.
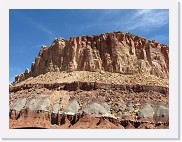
[(112, 52)]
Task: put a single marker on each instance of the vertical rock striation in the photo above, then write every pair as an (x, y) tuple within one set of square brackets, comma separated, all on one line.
[(113, 52)]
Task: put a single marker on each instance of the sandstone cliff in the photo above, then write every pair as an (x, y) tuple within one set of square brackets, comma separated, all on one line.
[(112, 80), (113, 52)]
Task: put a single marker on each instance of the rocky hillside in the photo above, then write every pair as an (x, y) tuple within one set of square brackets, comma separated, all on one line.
[(112, 81), (112, 52)]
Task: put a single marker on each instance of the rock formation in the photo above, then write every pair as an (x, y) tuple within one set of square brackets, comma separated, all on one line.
[(108, 81), (113, 52)]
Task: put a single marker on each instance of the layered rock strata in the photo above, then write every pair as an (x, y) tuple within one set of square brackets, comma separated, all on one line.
[(112, 81), (80, 106), (113, 52), (93, 116), (87, 86)]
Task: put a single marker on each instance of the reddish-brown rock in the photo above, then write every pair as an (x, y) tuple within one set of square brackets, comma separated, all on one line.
[(86, 82), (113, 52)]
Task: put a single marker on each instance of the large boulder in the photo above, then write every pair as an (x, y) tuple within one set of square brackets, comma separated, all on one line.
[(146, 111), (31, 105), (97, 110), (161, 111), (106, 106), (72, 108), (38, 104), (19, 104)]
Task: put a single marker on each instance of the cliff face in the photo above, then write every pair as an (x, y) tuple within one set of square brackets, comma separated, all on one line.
[(113, 52)]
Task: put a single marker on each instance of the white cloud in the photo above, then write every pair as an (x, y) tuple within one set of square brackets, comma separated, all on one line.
[(144, 20), (147, 19), (107, 14), (142, 12)]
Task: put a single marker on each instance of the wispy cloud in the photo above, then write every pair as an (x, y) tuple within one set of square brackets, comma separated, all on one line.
[(147, 19), (110, 13), (38, 26), (144, 20)]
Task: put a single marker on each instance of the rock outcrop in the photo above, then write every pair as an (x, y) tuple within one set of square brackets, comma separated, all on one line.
[(113, 52), (108, 81), (93, 116), (87, 86)]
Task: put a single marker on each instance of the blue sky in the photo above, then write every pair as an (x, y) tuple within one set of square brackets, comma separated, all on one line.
[(29, 29)]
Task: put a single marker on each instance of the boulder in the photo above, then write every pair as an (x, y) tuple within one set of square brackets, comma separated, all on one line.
[(43, 105), (97, 110), (72, 108), (19, 104), (161, 111), (146, 111), (106, 106), (38, 104)]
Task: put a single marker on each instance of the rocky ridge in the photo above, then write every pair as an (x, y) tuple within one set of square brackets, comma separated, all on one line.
[(112, 81), (113, 52), (71, 105)]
